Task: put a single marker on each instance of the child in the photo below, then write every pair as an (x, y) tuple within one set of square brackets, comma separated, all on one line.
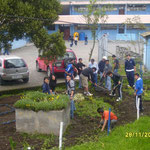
[(52, 83), (45, 86), (138, 91)]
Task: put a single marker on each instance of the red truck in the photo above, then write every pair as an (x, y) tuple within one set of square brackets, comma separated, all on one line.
[(55, 66)]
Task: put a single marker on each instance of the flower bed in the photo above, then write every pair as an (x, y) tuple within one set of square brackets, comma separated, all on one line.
[(42, 113)]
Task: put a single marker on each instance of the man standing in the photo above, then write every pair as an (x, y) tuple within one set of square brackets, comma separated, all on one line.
[(86, 40), (101, 66), (91, 65), (116, 64), (87, 74), (130, 68), (71, 91), (117, 84), (80, 66), (107, 78), (138, 91), (105, 117)]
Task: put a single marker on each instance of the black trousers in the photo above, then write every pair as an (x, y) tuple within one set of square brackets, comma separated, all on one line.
[(119, 90)]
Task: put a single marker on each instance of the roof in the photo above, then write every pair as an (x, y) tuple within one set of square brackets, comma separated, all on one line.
[(104, 2), (9, 56), (111, 19), (145, 34)]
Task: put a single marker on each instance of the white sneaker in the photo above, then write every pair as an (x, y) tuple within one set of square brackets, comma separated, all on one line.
[(85, 93), (89, 94), (112, 94), (118, 99)]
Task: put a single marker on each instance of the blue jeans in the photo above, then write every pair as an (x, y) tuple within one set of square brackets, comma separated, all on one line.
[(94, 78), (80, 85), (115, 70), (130, 77), (6, 52), (101, 74), (86, 42), (72, 109), (108, 83)]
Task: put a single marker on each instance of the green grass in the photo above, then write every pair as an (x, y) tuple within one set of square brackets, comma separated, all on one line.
[(88, 107), (135, 136), (37, 101)]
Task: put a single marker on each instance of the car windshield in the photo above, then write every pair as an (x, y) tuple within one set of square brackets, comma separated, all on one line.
[(67, 55), (14, 63)]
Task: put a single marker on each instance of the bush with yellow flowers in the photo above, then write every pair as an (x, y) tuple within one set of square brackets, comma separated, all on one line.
[(37, 101)]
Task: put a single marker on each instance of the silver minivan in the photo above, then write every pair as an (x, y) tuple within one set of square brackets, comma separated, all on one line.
[(13, 68)]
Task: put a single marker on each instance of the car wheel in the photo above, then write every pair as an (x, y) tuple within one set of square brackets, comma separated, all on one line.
[(48, 72), (25, 80), (2, 82), (37, 67)]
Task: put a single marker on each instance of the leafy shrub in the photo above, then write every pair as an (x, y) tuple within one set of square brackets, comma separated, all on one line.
[(79, 97), (37, 101)]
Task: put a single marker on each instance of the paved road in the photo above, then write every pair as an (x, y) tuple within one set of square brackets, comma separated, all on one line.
[(29, 53)]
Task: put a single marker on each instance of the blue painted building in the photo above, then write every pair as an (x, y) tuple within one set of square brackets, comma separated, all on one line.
[(71, 19), (146, 57)]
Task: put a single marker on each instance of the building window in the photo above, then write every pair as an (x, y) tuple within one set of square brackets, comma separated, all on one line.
[(80, 8), (136, 7), (121, 29), (135, 26), (108, 27), (51, 27), (82, 27)]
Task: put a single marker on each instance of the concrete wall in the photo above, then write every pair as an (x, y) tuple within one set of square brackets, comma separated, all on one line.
[(42, 122)]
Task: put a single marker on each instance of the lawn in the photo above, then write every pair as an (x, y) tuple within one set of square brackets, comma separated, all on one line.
[(134, 136)]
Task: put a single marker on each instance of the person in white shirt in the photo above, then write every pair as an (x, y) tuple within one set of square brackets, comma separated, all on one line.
[(91, 65)]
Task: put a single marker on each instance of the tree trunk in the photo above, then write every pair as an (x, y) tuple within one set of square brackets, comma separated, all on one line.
[(92, 49)]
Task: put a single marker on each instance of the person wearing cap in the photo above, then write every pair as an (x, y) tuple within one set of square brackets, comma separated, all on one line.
[(130, 68), (101, 66), (107, 68), (115, 64), (91, 65), (80, 66), (87, 74), (104, 118), (138, 91)]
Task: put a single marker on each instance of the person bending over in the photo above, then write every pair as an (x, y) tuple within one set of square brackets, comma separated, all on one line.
[(104, 118)]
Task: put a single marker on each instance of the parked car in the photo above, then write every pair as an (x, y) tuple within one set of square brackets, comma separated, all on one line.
[(55, 66), (13, 68)]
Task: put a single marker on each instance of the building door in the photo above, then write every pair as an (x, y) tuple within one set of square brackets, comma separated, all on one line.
[(121, 10), (66, 30)]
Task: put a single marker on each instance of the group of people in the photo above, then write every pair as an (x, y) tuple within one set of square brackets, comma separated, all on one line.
[(75, 40), (90, 73)]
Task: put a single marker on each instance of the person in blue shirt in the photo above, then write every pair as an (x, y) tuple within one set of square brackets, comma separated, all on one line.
[(138, 91), (45, 87), (130, 68), (70, 69)]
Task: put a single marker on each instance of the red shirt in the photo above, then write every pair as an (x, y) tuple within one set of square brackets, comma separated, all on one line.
[(105, 115)]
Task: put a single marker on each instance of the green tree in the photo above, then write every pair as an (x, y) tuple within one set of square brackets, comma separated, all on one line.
[(94, 15), (28, 19)]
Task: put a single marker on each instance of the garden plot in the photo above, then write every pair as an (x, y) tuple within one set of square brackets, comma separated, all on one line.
[(82, 129)]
